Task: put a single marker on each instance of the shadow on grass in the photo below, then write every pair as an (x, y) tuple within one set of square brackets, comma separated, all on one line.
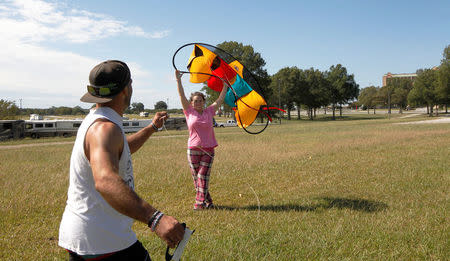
[(324, 203)]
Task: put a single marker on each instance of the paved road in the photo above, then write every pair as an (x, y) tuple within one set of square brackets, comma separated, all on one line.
[(34, 145), (440, 120), (66, 142)]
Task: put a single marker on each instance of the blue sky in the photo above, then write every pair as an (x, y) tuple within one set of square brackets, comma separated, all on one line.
[(47, 48)]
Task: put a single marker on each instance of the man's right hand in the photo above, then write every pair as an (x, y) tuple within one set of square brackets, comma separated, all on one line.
[(170, 230), (159, 119)]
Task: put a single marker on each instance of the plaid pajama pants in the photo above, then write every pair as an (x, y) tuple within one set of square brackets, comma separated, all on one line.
[(200, 162)]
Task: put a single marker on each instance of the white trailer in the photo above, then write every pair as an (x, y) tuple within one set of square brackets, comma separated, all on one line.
[(134, 125), (51, 128)]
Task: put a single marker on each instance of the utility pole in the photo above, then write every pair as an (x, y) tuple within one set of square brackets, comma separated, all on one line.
[(389, 104), (279, 100)]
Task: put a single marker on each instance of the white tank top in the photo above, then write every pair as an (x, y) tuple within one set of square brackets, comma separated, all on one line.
[(89, 224)]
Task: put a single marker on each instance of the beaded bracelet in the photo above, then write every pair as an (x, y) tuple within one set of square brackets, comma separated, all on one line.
[(156, 222), (149, 224)]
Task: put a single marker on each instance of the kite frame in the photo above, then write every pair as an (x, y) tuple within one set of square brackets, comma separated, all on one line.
[(265, 107)]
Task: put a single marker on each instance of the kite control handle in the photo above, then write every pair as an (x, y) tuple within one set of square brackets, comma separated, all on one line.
[(180, 247)]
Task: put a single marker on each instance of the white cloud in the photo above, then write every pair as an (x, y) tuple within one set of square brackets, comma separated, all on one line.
[(38, 73), (43, 77), (37, 21)]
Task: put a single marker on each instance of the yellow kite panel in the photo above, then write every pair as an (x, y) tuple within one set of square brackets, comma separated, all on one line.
[(200, 61), (238, 67), (247, 108)]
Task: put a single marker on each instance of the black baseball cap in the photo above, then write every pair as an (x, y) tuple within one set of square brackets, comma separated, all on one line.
[(106, 80)]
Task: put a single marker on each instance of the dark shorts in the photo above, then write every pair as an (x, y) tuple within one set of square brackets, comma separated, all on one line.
[(134, 252)]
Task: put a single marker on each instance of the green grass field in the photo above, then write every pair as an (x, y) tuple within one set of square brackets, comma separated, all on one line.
[(358, 188)]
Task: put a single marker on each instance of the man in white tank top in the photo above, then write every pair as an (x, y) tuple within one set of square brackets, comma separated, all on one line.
[(101, 204)]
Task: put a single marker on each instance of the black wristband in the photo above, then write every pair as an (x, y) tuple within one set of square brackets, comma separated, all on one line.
[(149, 224), (154, 127), (156, 221)]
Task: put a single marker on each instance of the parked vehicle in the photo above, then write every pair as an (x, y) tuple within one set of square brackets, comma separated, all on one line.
[(176, 123), (228, 123), (34, 117), (135, 125), (11, 129), (51, 128)]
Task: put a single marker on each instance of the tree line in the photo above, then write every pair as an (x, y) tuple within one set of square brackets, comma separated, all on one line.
[(313, 89), (9, 110), (431, 88)]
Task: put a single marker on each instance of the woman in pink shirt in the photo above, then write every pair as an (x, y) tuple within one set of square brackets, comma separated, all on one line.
[(201, 141)]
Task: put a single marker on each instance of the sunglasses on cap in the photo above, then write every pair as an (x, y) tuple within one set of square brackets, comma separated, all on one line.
[(105, 90)]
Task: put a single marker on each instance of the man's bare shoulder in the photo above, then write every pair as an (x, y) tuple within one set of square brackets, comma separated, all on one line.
[(104, 133)]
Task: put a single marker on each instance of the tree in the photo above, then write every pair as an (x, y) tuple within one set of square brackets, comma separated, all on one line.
[(443, 88), (399, 89), (350, 91), (137, 107), (424, 89), (51, 110), (128, 110), (77, 110), (309, 85), (284, 83), (161, 105), (368, 98), (342, 87), (317, 91), (416, 96), (62, 110), (8, 109)]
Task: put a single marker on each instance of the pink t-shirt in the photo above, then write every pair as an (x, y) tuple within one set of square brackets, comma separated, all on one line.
[(201, 131)]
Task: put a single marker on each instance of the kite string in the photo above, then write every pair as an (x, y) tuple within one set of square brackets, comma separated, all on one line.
[(204, 151), (163, 126), (254, 192), (257, 198)]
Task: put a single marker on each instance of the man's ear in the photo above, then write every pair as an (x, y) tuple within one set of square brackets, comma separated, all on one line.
[(125, 91)]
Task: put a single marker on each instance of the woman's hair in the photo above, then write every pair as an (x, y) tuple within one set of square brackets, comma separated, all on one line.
[(197, 94)]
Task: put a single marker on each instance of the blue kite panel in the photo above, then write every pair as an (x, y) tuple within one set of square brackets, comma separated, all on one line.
[(241, 88)]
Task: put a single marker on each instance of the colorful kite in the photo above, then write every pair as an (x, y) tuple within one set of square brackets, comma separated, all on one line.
[(211, 65)]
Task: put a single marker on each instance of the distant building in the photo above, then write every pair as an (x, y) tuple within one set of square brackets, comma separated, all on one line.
[(143, 114), (34, 117), (388, 75)]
